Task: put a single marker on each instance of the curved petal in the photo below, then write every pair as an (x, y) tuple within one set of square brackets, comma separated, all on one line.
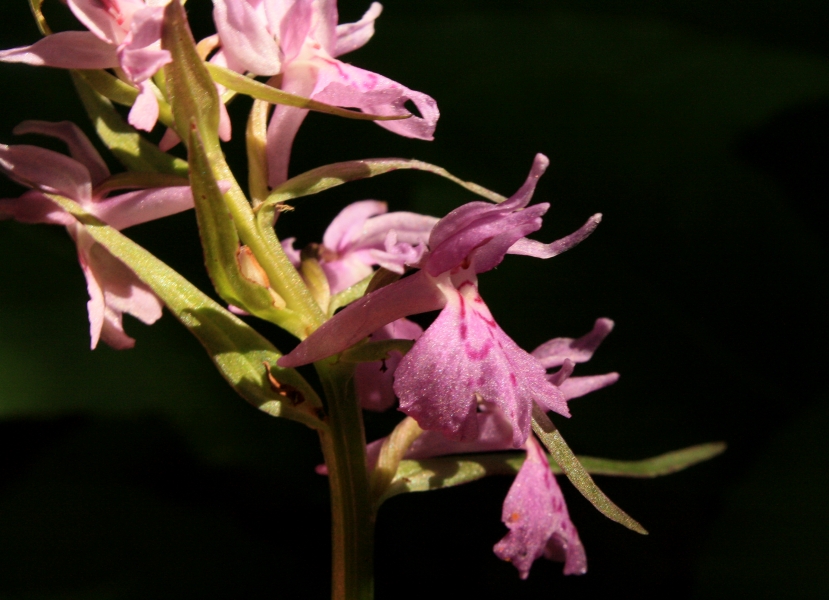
[(80, 148), (132, 208), (108, 20), (342, 84), (65, 50), (409, 296), (285, 123), (65, 176), (34, 207), (576, 387), (246, 40), (539, 250), (554, 352), (351, 36), (348, 225), (144, 112), (141, 55)]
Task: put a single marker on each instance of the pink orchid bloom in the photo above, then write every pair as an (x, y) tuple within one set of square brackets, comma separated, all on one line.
[(464, 358), (113, 288), (122, 33), (362, 236), (300, 40), (537, 517)]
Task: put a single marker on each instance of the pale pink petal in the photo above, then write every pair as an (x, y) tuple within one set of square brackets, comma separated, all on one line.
[(34, 207), (464, 357), (576, 387), (114, 289), (351, 36), (285, 123), (169, 140), (292, 253), (537, 517), (410, 228), (132, 208), (246, 41), (144, 113), (65, 50), (343, 273), (538, 250), (295, 27), (344, 85), (107, 19), (347, 227), (373, 380), (46, 170), (79, 145), (409, 296), (140, 54), (554, 352)]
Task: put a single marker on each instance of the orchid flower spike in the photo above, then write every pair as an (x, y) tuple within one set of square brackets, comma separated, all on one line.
[(113, 288), (299, 40), (122, 33), (464, 359)]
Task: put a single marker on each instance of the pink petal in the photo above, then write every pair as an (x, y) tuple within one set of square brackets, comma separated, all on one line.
[(537, 517), (351, 36), (465, 356), (108, 20), (409, 296), (79, 145), (347, 226), (295, 27), (373, 380), (342, 84), (285, 123), (113, 289), (246, 40), (34, 207), (576, 387), (132, 208), (144, 113), (65, 50), (554, 352), (46, 170), (140, 54), (539, 250)]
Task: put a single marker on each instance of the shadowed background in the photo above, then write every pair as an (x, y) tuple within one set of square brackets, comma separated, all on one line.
[(699, 129)]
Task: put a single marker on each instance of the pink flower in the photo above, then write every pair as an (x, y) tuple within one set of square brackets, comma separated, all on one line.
[(362, 236), (122, 33), (113, 288), (300, 40), (373, 380), (464, 359), (537, 517)]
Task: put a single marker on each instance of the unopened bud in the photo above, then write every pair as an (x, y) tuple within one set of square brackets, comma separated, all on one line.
[(253, 272)]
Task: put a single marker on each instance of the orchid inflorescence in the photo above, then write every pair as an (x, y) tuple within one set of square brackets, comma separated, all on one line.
[(472, 397)]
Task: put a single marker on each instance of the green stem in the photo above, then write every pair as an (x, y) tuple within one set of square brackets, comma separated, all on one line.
[(352, 516)]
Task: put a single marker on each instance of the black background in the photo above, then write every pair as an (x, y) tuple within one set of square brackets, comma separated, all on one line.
[(698, 128)]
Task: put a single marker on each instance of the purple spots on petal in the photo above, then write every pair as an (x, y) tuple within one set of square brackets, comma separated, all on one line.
[(513, 380)]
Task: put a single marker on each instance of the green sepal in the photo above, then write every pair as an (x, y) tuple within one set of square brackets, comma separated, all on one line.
[(120, 92), (373, 351), (448, 471), (348, 295), (131, 149), (329, 176), (222, 246), (39, 18), (194, 100), (250, 87), (576, 473), (239, 352)]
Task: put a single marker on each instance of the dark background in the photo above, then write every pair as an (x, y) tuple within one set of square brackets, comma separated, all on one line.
[(698, 128)]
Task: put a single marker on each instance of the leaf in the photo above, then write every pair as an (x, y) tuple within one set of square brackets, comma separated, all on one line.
[(130, 148), (194, 100), (39, 18), (239, 353), (576, 473), (323, 178), (448, 471), (260, 91)]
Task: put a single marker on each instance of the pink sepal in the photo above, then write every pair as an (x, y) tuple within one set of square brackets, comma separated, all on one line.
[(65, 50)]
